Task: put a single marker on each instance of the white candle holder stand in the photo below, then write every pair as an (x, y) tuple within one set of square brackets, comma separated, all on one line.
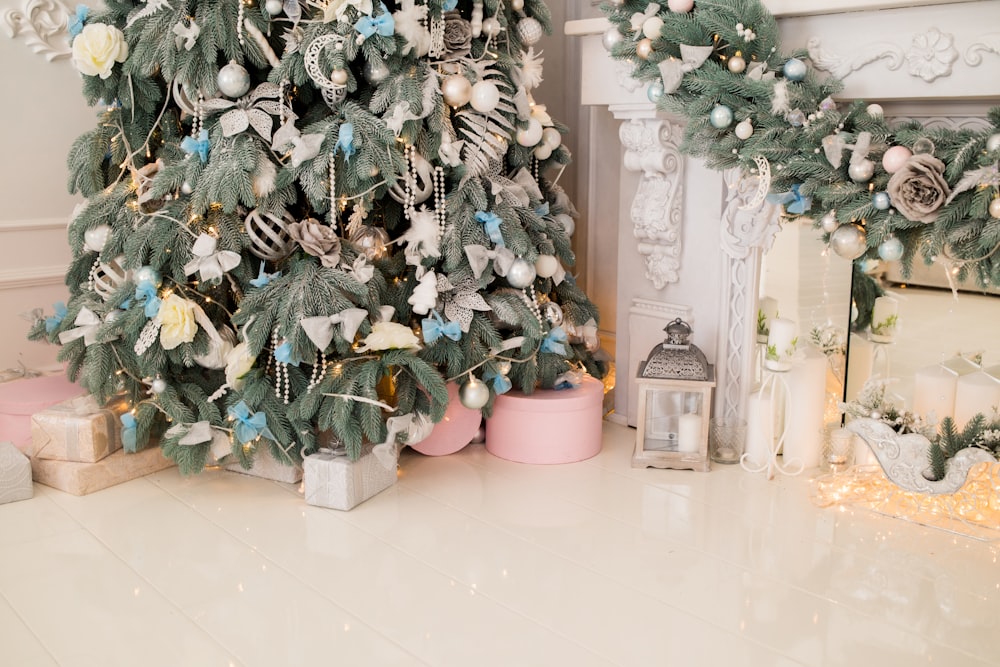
[(775, 383)]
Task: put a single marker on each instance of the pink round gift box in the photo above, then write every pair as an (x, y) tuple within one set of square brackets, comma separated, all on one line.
[(455, 431), (19, 399), (548, 426)]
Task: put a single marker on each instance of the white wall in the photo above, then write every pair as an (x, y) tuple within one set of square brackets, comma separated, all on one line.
[(42, 113)]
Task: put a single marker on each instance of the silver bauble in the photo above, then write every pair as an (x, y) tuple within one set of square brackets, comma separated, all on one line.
[(849, 241), (376, 72), (993, 143), (553, 313), (862, 171), (891, 249), (186, 188), (273, 7), (829, 222), (456, 90), (612, 37), (521, 273), (147, 274), (567, 222), (530, 31), (492, 27), (233, 80), (158, 386), (269, 236), (370, 241), (95, 238), (474, 394)]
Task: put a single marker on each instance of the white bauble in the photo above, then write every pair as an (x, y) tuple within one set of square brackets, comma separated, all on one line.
[(680, 6), (521, 274), (110, 276), (531, 135), (158, 386), (828, 223), (186, 188), (652, 27), (147, 274), (456, 90), (737, 64), (551, 138), (861, 172), (233, 80), (95, 238), (543, 152), (849, 241), (875, 110), (492, 27), (744, 129), (546, 266), (517, 5), (995, 208), (485, 96), (474, 394), (993, 143), (611, 38), (567, 222), (530, 31), (644, 48), (273, 7), (339, 77)]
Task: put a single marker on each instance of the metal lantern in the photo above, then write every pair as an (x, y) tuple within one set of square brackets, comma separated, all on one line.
[(675, 403)]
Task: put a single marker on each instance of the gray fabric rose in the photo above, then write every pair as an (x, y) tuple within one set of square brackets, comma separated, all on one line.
[(457, 35), (318, 240), (919, 189)]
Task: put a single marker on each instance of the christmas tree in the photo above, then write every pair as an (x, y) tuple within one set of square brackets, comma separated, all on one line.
[(302, 219)]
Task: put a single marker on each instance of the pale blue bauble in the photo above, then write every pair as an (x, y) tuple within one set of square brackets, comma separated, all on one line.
[(891, 249), (721, 117), (655, 92), (147, 274), (881, 201), (795, 69)]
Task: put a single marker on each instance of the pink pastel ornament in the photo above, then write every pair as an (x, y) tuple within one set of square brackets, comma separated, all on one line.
[(455, 431), (680, 6), (895, 158)]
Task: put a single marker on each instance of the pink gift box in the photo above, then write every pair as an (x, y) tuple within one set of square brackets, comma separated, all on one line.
[(19, 399), (548, 426), (455, 431)]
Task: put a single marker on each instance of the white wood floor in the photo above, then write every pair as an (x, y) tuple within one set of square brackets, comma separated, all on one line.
[(471, 560)]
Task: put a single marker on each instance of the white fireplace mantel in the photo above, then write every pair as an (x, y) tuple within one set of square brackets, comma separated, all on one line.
[(685, 243)]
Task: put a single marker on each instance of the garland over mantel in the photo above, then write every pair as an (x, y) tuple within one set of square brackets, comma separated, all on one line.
[(878, 191)]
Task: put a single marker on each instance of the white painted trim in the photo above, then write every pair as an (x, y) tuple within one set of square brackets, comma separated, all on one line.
[(37, 225), (37, 276)]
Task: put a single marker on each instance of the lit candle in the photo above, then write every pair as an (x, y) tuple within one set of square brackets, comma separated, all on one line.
[(976, 392), (760, 430), (689, 433), (767, 310), (934, 390), (781, 344), (885, 319), (841, 451), (805, 405)]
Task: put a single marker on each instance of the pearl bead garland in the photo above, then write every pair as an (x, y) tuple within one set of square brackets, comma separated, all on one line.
[(281, 382)]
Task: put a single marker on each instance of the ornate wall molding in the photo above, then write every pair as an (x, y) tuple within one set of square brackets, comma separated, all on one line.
[(652, 150), (930, 56), (842, 66), (989, 44), (42, 23), (747, 233)]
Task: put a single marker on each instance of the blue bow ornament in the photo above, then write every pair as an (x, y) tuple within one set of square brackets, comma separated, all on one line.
[(435, 327), (53, 321), (491, 223), (793, 201), (249, 426), (553, 342), (198, 146)]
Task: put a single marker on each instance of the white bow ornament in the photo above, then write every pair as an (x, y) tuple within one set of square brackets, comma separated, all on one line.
[(673, 70), (480, 256), (87, 323), (208, 263), (320, 329)]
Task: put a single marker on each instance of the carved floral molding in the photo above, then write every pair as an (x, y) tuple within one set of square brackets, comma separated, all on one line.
[(42, 23)]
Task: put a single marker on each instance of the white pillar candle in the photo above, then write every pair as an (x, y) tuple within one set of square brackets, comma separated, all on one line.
[(976, 392), (780, 342), (767, 310), (689, 433), (804, 409), (860, 364), (885, 319), (760, 430), (934, 390)]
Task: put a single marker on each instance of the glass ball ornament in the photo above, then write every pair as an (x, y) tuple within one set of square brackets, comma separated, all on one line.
[(875, 110), (492, 27), (849, 241), (517, 5), (95, 238), (794, 69), (611, 38), (553, 312), (339, 77), (721, 117), (375, 72), (861, 171), (186, 188), (531, 135), (474, 394), (485, 96), (273, 7), (881, 201), (993, 143), (158, 386), (530, 31), (546, 266), (654, 92), (551, 138), (737, 64), (828, 223), (456, 90), (147, 274), (995, 208), (923, 146), (644, 48), (567, 222), (110, 277), (890, 250), (370, 241), (521, 273), (543, 152), (680, 6), (233, 80), (744, 129), (895, 157), (652, 27)]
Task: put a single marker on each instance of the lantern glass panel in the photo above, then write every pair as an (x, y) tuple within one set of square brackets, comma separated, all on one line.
[(664, 408)]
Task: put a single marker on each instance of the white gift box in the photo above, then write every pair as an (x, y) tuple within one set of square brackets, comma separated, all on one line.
[(333, 480), (15, 474)]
